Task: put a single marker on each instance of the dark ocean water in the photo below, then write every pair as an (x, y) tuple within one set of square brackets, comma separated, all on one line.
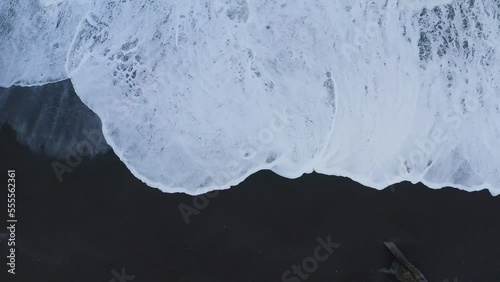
[(97, 222)]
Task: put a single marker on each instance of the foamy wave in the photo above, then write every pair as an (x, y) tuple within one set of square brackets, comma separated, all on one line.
[(197, 95)]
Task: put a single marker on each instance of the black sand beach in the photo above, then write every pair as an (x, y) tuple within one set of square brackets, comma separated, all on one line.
[(186, 89), (102, 224)]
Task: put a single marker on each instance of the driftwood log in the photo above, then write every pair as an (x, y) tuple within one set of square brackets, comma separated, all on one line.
[(401, 267)]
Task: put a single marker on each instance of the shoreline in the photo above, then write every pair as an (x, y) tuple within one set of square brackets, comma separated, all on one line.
[(101, 218)]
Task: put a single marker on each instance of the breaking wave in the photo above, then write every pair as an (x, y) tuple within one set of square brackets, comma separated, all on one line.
[(197, 95)]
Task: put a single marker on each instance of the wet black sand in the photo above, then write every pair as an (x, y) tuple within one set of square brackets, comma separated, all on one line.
[(101, 218)]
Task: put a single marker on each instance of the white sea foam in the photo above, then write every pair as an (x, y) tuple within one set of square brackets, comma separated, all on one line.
[(197, 95), (35, 38)]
